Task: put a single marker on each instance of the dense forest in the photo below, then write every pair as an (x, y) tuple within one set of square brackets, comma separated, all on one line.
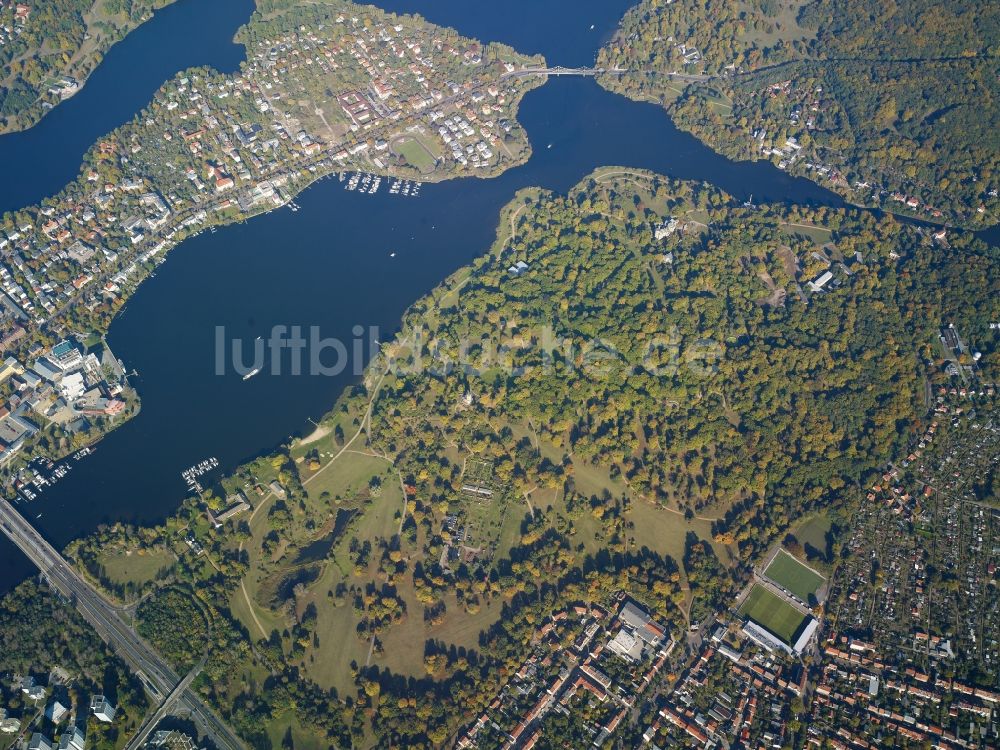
[(706, 379), (175, 624), (42, 633), (889, 104), (695, 368)]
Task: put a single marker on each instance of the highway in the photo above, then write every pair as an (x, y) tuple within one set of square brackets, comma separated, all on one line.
[(158, 677), (140, 737)]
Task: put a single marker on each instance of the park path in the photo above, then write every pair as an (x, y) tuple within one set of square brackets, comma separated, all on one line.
[(270, 495)]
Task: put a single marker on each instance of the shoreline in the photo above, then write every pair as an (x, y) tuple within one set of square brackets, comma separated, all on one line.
[(37, 111)]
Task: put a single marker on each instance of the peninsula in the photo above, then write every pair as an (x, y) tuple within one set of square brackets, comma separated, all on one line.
[(659, 467)]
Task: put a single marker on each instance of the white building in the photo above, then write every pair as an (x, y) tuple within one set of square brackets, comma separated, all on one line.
[(66, 356), (626, 645), (821, 281), (56, 711), (72, 386), (667, 228), (8, 725), (806, 636), (764, 637), (644, 627), (103, 709)]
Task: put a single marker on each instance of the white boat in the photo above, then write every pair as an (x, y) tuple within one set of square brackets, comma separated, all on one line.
[(250, 374)]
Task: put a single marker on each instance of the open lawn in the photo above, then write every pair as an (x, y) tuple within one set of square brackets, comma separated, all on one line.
[(664, 531), (137, 567), (337, 622), (784, 24), (819, 235), (336, 629), (591, 479), (348, 477), (772, 612), (286, 725), (793, 576)]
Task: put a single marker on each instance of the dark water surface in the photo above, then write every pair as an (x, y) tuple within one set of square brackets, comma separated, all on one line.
[(327, 265)]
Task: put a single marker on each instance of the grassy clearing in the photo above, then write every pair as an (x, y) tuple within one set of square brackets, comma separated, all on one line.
[(664, 532), (784, 25), (139, 567), (812, 531), (461, 628), (722, 104), (772, 612), (594, 480), (336, 621), (792, 575), (819, 235), (336, 629), (285, 726), (381, 517), (348, 477)]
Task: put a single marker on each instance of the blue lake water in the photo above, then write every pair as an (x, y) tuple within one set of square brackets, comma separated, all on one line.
[(327, 265)]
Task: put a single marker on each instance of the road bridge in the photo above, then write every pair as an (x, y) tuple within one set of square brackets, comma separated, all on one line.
[(560, 70)]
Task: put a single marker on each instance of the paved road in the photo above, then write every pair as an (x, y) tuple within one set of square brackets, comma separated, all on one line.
[(140, 737), (161, 681)]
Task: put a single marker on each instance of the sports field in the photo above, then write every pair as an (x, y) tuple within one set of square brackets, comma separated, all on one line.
[(416, 154), (773, 612), (792, 575)]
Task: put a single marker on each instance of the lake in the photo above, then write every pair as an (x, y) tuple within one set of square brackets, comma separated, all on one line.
[(343, 260)]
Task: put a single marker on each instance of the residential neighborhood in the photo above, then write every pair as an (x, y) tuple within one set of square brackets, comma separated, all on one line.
[(51, 712), (411, 100)]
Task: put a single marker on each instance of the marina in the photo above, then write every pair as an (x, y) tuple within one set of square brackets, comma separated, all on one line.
[(192, 474), (404, 187), (40, 474), (369, 184)]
